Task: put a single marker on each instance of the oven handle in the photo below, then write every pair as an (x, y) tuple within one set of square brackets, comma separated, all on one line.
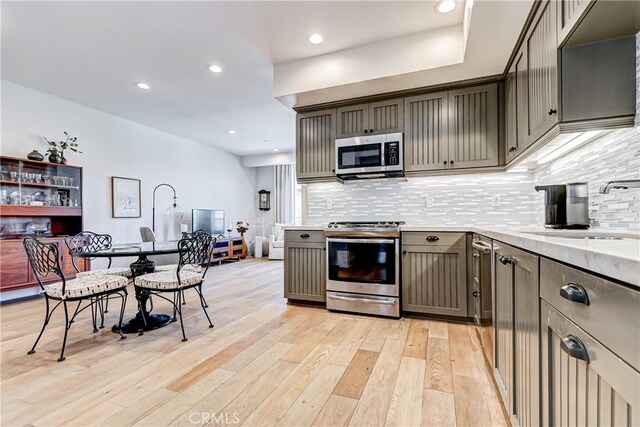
[(386, 301), (376, 241), (479, 245)]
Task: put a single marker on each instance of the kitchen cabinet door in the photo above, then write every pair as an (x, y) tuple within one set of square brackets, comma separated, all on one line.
[(426, 132), (315, 142), (526, 321), (542, 72), (305, 271), (570, 13), (386, 116), (518, 332), (583, 382), (473, 127), (353, 121), (434, 280), (503, 324), (517, 108)]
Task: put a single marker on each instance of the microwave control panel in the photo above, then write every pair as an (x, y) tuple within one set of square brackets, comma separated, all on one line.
[(392, 153)]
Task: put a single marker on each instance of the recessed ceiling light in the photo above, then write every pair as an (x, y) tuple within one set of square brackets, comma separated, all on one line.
[(143, 86), (275, 150), (231, 131), (445, 6), (215, 69), (315, 38)]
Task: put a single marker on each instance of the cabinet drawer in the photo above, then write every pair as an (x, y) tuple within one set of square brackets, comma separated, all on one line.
[(433, 239), (309, 236), (612, 315), (582, 380)]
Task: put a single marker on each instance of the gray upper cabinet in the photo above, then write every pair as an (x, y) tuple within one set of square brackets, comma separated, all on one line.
[(426, 132), (370, 119), (353, 120), (434, 274), (516, 106), (386, 116), (570, 12), (542, 72), (473, 127), (315, 142)]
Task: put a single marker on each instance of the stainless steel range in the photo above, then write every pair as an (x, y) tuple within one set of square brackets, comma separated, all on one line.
[(363, 267)]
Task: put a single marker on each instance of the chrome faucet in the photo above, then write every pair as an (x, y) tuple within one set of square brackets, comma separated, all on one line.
[(622, 185)]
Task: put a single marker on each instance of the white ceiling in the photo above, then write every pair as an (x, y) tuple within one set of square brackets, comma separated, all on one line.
[(93, 53)]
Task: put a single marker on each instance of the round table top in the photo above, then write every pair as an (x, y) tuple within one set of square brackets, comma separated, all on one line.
[(134, 249)]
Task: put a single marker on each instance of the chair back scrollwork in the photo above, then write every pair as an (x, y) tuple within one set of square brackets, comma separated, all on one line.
[(87, 242), (44, 259), (195, 249)]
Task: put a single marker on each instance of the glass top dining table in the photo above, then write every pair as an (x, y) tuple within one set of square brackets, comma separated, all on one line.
[(144, 320)]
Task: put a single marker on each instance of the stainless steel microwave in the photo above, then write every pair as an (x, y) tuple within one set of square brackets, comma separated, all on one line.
[(364, 155)]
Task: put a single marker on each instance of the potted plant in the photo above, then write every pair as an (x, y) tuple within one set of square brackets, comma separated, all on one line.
[(56, 148)]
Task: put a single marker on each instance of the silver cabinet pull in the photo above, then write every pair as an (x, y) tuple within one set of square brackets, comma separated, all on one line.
[(386, 301), (481, 246)]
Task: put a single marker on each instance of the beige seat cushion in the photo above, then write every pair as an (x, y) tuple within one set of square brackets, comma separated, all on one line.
[(173, 267), (278, 244), (116, 271), (167, 280), (87, 286)]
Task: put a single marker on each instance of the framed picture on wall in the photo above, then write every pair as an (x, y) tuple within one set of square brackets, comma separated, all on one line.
[(125, 197)]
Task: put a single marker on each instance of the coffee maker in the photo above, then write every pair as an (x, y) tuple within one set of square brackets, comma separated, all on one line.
[(566, 205)]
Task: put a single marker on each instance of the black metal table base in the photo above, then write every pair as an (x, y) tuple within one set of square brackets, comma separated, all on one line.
[(137, 324)]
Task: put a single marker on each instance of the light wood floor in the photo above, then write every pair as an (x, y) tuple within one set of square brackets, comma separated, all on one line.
[(265, 363)]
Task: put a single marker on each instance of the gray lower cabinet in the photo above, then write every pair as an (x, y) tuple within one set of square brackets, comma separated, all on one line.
[(305, 270), (315, 142), (542, 72), (370, 118), (518, 332), (434, 276), (584, 382), (473, 127)]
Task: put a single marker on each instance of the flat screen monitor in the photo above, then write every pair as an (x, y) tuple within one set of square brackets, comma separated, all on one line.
[(211, 221)]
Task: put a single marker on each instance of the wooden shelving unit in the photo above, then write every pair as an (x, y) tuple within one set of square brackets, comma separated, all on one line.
[(17, 212)]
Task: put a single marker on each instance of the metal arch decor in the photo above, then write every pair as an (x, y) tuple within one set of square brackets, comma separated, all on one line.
[(264, 200)]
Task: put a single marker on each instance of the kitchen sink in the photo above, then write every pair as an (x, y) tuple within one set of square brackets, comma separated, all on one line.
[(587, 235)]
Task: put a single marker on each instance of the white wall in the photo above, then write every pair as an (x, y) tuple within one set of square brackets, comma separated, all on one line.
[(204, 177)]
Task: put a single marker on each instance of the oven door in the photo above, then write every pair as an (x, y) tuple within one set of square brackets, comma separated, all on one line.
[(363, 266), (359, 155)]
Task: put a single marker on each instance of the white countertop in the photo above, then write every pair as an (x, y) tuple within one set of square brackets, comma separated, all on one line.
[(617, 259)]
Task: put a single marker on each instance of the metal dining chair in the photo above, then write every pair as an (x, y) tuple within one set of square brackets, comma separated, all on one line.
[(45, 259), (90, 242), (195, 250)]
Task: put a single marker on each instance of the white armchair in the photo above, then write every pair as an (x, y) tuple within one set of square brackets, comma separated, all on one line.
[(276, 242)]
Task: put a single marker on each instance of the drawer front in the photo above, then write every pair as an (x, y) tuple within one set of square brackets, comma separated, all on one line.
[(583, 382), (302, 236), (426, 238), (612, 315)]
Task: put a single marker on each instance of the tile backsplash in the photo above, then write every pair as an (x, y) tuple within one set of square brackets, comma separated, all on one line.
[(491, 198)]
